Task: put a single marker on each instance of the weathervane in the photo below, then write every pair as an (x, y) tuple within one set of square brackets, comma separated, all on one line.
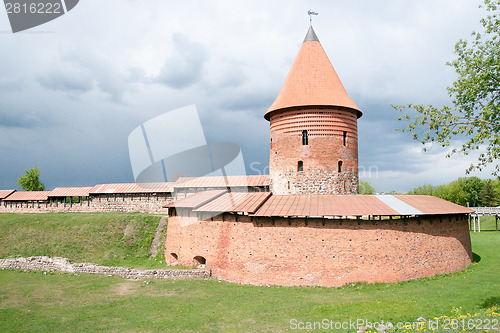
[(311, 13)]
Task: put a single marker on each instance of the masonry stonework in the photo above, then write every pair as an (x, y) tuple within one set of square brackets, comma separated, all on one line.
[(102, 204), (314, 151), (320, 252)]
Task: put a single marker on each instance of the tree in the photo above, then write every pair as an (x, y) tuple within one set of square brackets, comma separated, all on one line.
[(30, 181), (366, 188), (487, 196), (475, 96)]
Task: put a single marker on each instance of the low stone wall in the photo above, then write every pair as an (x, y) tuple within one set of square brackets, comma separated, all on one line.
[(49, 264), (105, 204)]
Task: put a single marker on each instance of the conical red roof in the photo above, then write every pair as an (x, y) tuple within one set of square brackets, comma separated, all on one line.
[(312, 81)]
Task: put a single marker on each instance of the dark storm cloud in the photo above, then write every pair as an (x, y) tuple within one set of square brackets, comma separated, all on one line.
[(11, 117), (184, 67)]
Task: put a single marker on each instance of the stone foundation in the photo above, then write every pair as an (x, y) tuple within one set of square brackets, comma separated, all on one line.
[(49, 264)]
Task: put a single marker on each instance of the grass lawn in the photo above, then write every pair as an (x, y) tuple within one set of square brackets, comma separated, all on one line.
[(110, 239), (32, 301)]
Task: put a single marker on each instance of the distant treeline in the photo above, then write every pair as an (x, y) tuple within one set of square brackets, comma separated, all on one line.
[(473, 190)]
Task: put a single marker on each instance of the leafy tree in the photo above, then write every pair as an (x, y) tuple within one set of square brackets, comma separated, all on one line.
[(30, 181), (488, 196), (426, 189), (366, 188), (475, 96)]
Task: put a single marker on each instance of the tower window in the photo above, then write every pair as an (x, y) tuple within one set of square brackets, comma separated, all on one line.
[(345, 137), (300, 166), (340, 166), (305, 140)]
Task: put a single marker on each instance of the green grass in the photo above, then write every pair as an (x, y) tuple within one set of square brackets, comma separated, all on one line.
[(32, 301), (112, 239), (488, 223)]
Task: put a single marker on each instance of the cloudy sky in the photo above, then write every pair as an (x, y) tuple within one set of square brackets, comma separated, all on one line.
[(72, 90)]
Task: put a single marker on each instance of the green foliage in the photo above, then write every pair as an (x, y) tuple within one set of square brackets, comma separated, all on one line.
[(472, 190), (366, 188), (475, 96), (110, 239), (30, 181)]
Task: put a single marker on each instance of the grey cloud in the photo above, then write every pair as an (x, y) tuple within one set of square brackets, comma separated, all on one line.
[(10, 84), (11, 118), (185, 65), (72, 81)]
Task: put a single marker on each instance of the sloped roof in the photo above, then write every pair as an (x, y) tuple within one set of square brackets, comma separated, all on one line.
[(264, 204), (433, 205), (70, 192), (5, 193), (28, 196), (312, 81), (132, 188), (357, 205), (196, 200), (236, 202), (219, 181)]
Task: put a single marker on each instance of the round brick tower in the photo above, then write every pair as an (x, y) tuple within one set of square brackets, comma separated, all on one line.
[(314, 130)]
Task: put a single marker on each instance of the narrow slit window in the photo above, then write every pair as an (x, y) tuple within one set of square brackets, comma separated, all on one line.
[(340, 166), (345, 137), (305, 140), (300, 166)]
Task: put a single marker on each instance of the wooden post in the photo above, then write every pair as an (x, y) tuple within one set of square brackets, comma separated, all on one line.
[(496, 222)]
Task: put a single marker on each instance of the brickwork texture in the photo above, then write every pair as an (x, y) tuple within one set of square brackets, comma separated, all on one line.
[(320, 252)]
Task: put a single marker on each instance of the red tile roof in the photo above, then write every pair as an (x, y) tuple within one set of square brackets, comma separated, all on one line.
[(5, 193), (222, 182), (312, 80), (240, 202), (28, 196), (197, 199), (70, 192), (132, 188)]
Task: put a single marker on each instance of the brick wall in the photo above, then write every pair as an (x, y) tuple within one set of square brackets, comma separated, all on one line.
[(109, 203), (332, 138), (320, 252)]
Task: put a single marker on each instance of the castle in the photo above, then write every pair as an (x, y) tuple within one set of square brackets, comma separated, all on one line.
[(312, 228), (305, 223)]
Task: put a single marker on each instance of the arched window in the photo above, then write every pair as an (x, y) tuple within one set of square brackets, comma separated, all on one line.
[(300, 166), (345, 137), (305, 140), (340, 166)]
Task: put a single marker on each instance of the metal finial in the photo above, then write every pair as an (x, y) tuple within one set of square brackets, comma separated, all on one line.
[(311, 13)]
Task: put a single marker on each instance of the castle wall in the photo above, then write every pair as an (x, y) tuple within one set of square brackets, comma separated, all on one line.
[(320, 252), (100, 204), (332, 138)]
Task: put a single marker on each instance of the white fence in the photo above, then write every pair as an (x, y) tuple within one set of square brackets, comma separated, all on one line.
[(481, 211)]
